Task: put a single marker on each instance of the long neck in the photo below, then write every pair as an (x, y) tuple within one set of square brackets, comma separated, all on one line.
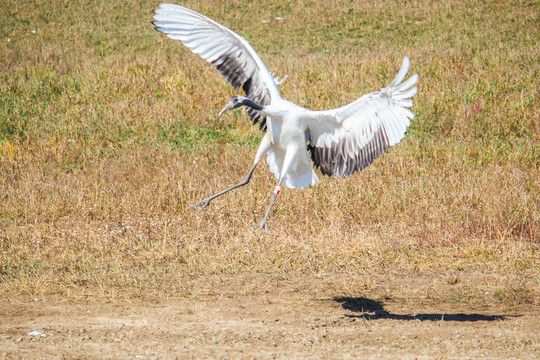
[(251, 104)]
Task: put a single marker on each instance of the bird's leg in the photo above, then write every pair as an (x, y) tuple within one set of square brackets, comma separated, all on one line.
[(262, 224), (263, 149), (205, 202), (287, 161)]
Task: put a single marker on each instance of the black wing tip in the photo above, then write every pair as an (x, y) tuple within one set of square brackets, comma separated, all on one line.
[(158, 27)]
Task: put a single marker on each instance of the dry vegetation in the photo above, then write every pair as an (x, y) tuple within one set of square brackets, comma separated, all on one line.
[(108, 130)]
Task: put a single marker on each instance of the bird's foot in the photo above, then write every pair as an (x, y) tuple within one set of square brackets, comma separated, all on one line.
[(262, 226), (203, 204)]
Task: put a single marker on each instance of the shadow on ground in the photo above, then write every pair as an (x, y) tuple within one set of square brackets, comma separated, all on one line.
[(374, 310)]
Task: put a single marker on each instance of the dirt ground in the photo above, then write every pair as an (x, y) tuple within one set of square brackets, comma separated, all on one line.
[(279, 322)]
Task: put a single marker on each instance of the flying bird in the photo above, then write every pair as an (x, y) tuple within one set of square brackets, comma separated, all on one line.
[(339, 142)]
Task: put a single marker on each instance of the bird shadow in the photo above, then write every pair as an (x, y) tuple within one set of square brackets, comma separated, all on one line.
[(374, 310)]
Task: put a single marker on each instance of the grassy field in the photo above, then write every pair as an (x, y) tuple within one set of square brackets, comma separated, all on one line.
[(109, 130)]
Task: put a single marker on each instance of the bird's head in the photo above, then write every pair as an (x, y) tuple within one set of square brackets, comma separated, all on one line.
[(235, 102)]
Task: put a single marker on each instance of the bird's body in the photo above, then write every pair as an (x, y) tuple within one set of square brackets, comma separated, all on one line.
[(339, 141), (286, 134)]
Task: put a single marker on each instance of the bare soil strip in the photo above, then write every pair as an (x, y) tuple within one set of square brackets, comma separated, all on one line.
[(277, 323)]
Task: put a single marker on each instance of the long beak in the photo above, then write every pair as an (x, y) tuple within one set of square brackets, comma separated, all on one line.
[(228, 107)]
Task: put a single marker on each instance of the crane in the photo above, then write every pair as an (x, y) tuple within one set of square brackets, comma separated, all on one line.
[(339, 142)]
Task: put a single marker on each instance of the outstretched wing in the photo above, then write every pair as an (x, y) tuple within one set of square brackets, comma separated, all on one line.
[(230, 53), (345, 140)]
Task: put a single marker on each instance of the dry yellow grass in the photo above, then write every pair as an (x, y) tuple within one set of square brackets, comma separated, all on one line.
[(108, 131)]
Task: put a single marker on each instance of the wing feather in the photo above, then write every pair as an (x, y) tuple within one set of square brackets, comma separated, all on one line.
[(347, 139), (232, 55)]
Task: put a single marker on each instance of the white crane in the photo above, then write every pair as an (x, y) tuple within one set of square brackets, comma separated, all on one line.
[(339, 141)]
